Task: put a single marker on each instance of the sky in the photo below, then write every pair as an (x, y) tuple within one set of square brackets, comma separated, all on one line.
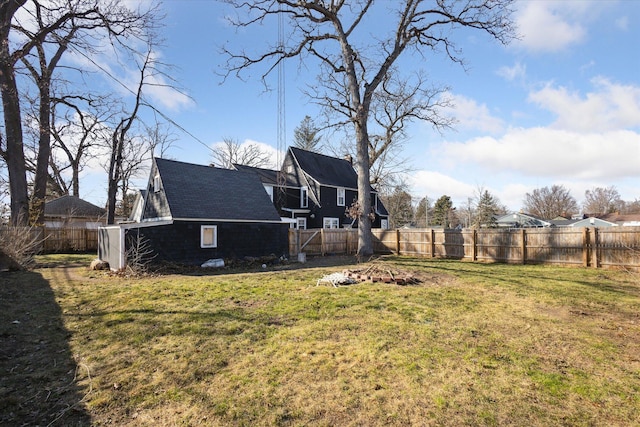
[(560, 105)]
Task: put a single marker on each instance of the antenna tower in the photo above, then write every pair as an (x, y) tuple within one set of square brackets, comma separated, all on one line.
[(282, 123)]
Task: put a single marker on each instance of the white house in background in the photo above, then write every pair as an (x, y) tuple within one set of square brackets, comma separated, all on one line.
[(521, 220)]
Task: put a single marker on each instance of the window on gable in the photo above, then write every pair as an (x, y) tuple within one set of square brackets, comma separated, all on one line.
[(330, 223), (209, 236), (156, 183), (304, 197), (269, 190), (341, 196)]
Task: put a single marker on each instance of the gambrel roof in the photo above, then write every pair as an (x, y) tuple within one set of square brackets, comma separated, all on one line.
[(205, 192)]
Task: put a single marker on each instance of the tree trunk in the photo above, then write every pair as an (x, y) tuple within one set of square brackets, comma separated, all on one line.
[(14, 154), (44, 153), (365, 240)]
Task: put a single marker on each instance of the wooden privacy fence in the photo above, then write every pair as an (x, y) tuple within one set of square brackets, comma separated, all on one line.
[(63, 240), (607, 247)]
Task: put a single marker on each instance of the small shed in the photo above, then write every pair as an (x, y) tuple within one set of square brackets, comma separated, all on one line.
[(192, 213)]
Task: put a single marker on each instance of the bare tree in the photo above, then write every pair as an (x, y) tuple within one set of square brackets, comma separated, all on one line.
[(230, 151), (119, 140), (52, 27), (160, 138), (399, 206), (77, 126), (331, 32), (13, 151), (549, 203), (602, 200)]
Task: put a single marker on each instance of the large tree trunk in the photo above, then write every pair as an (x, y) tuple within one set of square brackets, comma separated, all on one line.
[(14, 154), (365, 240), (44, 153)]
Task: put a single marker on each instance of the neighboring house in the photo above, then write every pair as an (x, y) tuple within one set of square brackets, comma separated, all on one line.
[(314, 191), (521, 220), (579, 223), (624, 220), (191, 213), (73, 212)]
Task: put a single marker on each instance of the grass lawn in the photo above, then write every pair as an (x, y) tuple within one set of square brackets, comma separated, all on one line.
[(472, 344)]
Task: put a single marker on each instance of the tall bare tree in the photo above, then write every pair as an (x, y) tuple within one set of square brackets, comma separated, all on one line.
[(549, 203), (602, 200), (78, 123), (13, 151), (230, 151), (335, 34), (52, 27)]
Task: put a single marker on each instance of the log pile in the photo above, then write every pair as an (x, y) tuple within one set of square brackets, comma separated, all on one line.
[(381, 273)]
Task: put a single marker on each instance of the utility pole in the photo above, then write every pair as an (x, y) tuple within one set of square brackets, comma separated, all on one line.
[(426, 211)]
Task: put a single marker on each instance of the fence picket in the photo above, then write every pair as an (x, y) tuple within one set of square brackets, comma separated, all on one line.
[(590, 247)]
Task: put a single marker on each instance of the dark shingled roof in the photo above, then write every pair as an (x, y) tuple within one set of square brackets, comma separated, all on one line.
[(268, 176), (325, 169), (206, 192), (72, 206)]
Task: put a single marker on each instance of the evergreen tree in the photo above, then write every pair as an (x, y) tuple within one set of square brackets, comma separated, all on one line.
[(442, 211), (305, 136), (488, 208)]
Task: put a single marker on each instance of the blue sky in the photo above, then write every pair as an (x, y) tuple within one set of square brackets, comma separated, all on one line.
[(559, 106)]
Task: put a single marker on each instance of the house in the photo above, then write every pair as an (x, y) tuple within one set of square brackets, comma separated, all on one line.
[(624, 220), (584, 222), (73, 212), (192, 213), (521, 220), (314, 190)]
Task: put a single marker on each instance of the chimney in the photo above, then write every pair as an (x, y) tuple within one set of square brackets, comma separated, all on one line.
[(349, 159)]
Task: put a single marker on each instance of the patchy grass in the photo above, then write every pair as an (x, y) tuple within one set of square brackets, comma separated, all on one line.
[(473, 344)]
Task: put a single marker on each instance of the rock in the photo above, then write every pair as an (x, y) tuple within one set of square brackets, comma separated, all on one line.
[(98, 264), (213, 263)]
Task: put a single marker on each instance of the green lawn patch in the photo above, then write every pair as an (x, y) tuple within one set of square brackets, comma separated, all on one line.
[(472, 344)]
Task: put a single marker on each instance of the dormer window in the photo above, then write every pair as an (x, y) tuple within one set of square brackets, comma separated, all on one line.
[(341, 197), (304, 197)]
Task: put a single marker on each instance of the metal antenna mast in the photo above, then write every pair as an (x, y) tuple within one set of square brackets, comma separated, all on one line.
[(282, 123)]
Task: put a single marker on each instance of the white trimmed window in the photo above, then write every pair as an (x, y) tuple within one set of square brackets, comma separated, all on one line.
[(209, 236), (304, 197), (156, 183), (384, 224), (341, 196), (301, 223), (330, 223)]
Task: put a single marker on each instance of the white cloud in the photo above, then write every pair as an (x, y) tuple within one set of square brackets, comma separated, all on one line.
[(473, 116), (435, 184), (622, 23), (610, 106), (517, 72), (548, 26), (552, 153)]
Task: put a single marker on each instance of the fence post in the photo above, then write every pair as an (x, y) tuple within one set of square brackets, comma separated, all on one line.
[(474, 249), (524, 246), (595, 249), (585, 247), (433, 243), (397, 241)]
